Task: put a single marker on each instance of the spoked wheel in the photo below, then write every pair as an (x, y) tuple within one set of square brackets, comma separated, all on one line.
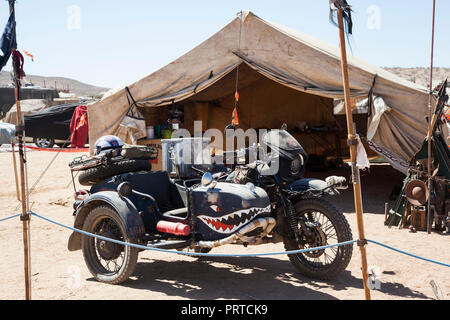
[(107, 261), (324, 225)]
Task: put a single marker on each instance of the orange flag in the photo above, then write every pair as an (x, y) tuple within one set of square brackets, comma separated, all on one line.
[(29, 54), (235, 118)]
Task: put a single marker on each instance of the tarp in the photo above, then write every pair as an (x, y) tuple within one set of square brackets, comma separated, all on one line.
[(51, 123), (27, 107), (289, 58)]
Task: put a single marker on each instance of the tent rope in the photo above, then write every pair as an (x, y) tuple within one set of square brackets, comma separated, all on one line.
[(236, 95)]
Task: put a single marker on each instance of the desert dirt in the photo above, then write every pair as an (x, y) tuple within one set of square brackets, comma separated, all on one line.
[(60, 274)]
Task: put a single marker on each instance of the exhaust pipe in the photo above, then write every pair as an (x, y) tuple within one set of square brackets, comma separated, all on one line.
[(266, 223)]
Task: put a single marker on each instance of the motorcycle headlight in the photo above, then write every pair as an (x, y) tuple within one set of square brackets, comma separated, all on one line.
[(296, 165)]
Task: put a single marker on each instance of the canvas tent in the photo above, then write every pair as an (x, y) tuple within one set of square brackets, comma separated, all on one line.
[(285, 76)]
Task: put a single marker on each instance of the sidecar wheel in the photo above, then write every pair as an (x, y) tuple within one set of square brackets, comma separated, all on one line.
[(107, 261), (334, 228)]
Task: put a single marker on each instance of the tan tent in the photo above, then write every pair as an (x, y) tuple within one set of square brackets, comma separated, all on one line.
[(284, 76)]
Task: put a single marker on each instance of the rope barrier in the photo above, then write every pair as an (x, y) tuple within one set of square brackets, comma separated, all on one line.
[(10, 217), (236, 255), (227, 255), (190, 253), (408, 254), (68, 150)]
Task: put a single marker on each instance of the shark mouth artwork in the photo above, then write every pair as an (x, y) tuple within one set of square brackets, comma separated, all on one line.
[(230, 223)]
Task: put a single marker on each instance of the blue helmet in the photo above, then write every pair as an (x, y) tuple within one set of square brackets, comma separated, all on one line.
[(108, 144)]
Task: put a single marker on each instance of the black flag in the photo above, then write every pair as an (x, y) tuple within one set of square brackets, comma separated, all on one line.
[(8, 40), (347, 13)]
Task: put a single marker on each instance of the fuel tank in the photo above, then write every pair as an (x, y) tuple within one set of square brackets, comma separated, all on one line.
[(224, 209)]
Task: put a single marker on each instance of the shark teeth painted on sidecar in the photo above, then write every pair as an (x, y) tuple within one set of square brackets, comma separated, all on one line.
[(230, 223)]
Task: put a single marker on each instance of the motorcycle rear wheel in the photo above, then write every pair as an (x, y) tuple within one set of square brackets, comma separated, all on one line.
[(324, 264)]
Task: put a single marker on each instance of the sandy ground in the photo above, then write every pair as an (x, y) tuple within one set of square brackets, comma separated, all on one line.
[(60, 274)]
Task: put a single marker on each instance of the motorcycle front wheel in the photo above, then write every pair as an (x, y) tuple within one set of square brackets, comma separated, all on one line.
[(326, 226)]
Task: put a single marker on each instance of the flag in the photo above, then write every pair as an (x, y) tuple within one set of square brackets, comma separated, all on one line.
[(8, 40), (29, 54), (235, 118)]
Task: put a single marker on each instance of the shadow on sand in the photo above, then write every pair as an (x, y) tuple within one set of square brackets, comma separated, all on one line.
[(244, 278)]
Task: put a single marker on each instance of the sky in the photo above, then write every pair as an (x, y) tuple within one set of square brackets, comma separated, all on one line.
[(114, 43)]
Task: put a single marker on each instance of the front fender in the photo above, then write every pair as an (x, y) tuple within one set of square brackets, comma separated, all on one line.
[(123, 206), (308, 184)]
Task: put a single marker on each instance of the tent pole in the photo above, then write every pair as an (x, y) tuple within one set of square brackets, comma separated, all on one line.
[(430, 121), (25, 217), (355, 170)]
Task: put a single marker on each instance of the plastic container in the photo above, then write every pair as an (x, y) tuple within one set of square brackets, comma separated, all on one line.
[(150, 132)]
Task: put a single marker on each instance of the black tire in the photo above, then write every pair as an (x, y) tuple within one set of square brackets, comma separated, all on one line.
[(343, 255), (94, 175), (95, 250), (44, 142)]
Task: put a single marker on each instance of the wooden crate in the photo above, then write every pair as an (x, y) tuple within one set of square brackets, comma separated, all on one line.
[(156, 143), (419, 219)]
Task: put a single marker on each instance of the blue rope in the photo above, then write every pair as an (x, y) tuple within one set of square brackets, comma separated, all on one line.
[(193, 253), (10, 217), (409, 254), (228, 255)]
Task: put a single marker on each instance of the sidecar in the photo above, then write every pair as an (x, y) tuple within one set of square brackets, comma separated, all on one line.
[(152, 210)]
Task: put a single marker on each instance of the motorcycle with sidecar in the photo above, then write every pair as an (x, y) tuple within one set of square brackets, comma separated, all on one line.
[(156, 210)]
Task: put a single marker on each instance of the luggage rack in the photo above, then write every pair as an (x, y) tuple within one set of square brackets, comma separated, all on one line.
[(85, 162)]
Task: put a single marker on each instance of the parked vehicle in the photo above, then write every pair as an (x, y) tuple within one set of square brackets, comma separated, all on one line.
[(154, 210), (50, 126)]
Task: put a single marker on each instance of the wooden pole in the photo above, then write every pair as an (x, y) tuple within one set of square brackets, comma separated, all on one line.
[(13, 152), (25, 215), (430, 126), (355, 171)]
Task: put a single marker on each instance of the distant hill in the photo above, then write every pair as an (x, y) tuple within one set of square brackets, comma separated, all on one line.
[(76, 87), (416, 75), (421, 76)]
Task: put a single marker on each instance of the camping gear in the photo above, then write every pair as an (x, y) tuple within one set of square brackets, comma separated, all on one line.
[(277, 67), (437, 196)]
